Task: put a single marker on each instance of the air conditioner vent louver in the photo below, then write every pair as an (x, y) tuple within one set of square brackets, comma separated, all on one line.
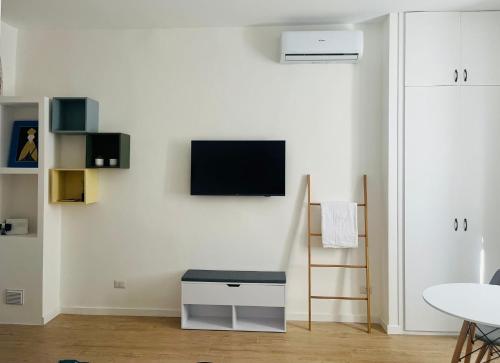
[(322, 54), (14, 297)]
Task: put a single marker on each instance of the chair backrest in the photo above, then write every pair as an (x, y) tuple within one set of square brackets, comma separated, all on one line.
[(495, 280)]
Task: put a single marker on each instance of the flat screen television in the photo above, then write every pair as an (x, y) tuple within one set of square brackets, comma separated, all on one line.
[(238, 168)]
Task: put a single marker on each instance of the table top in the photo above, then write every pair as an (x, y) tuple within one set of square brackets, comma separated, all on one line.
[(262, 277), (477, 303)]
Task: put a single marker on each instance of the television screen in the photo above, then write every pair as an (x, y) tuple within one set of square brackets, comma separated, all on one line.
[(238, 168)]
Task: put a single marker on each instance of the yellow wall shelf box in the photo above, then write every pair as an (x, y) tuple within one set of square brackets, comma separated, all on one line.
[(73, 186)]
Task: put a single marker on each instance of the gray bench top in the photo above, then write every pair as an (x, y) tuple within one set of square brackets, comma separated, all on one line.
[(269, 277)]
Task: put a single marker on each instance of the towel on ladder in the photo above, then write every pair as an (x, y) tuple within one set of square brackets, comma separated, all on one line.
[(339, 224)]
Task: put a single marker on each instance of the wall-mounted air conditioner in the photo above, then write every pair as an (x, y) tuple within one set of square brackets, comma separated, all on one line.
[(321, 46)]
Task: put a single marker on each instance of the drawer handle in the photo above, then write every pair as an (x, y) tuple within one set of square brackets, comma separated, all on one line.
[(233, 285)]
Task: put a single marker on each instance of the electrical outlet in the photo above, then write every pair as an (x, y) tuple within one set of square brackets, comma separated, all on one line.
[(362, 290), (119, 284)]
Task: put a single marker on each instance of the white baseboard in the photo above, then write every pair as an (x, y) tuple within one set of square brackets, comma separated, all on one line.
[(435, 333), (391, 329), (395, 329), (341, 318), (85, 310), (323, 317), (51, 315), (34, 323)]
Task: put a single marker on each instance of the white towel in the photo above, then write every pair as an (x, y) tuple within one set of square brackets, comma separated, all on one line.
[(339, 224)]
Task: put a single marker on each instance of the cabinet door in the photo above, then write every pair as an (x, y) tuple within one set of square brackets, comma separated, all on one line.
[(481, 112), (473, 127), (481, 47), (432, 250), (432, 49)]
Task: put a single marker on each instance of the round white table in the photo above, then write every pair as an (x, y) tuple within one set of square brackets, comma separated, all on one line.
[(474, 303)]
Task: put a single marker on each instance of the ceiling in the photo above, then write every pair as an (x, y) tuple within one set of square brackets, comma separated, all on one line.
[(208, 13)]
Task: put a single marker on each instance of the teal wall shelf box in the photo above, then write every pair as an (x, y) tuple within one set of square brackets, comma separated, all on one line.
[(74, 115), (107, 145)]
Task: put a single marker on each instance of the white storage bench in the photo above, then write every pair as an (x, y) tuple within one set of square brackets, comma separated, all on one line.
[(234, 300)]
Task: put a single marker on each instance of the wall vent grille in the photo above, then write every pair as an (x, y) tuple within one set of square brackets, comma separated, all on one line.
[(14, 297)]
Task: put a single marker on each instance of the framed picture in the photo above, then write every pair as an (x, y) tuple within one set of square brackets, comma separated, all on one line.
[(24, 145)]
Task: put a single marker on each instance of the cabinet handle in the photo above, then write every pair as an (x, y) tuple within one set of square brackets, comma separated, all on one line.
[(465, 75), (233, 285), (456, 225), (456, 76), (465, 224)]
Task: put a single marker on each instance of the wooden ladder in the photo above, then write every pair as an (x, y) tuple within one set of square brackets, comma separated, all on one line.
[(366, 266)]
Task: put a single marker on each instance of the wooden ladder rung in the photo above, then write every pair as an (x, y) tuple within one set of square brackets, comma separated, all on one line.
[(339, 297), (359, 204), (346, 266), (319, 235)]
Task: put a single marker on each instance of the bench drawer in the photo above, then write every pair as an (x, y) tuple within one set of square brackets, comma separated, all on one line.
[(217, 293)]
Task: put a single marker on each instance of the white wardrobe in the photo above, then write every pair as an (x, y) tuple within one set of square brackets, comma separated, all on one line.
[(451, 156)]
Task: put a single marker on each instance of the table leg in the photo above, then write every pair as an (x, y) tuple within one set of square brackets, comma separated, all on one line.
[(460, 342), (470, 338)]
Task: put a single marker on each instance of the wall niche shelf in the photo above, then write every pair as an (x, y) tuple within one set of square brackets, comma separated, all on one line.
[(15, 109), (19, 199), (107, 145), (15, 171), (30, 262), (73, 186), (74, 115)]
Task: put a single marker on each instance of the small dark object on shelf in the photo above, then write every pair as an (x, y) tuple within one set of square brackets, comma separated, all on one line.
[(4, 228)]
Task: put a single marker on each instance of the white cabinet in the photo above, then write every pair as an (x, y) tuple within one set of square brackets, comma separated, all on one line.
[(433, 251), (432, 49), (444, 183), (233, 306), (214, 293), (471, 179), (481, 47), (481, 107), (452, 48), (451, 130), (233, 300)]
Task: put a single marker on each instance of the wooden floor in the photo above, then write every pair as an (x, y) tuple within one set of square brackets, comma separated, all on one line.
[(143, 339)]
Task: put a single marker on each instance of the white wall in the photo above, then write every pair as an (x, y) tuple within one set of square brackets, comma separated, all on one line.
[(8, 52), (384, 314), (166, 87), (29, 262), (390, 263)]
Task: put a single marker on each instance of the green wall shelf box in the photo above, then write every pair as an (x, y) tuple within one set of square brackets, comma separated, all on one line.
[(107, 145), (74, 115)]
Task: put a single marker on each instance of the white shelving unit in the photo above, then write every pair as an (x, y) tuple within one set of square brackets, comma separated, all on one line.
[(231, 317), (208, 317), (18, 237), (29, 262), (19, 198), (259, 318), (15, 171), (245, 304)]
